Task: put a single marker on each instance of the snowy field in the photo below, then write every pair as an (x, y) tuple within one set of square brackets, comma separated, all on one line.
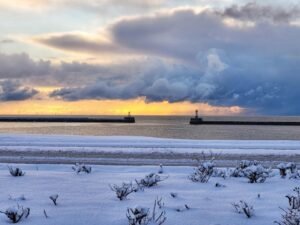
[(87, 198), (120, 150)]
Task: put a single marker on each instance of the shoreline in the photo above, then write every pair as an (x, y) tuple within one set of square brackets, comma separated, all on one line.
[(114, 150), (224, 160)]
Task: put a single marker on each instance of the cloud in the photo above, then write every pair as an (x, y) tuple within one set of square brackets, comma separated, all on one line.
[(255, 67), (21, 66), (264, 90), (267, 85), (13, 91), (44, 73), (255, 12), (81, 43), (91, 5), (183, 33)]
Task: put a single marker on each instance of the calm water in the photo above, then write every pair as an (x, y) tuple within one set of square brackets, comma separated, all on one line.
[(166, 127)]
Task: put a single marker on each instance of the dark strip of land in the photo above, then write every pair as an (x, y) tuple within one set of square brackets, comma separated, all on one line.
[(200, 121), (60, 119)]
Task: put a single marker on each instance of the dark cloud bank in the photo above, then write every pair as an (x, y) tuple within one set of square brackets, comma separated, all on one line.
[(255, 67), (13, 91)]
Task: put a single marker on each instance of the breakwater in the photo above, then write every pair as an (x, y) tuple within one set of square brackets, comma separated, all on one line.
[(200, 121), (66, 119)]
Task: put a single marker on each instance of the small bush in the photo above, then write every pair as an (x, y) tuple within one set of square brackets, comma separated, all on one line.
[(142, 216), (183, 208), (294, 200), (174, 194), (292, 167), (284, 167), (238, 171), (219, 185), (295, 175), (220, 172), (15, 171), (123, 191), (137, 216), (16, 214), (244, 207), (81, 168), (150, 180), (291, 216), (203, 172), (54, 198), (256, 173)]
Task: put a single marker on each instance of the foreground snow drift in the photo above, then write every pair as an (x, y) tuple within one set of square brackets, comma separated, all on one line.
[(87, 198)]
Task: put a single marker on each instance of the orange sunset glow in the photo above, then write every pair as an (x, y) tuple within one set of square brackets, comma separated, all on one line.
[(111, 107)]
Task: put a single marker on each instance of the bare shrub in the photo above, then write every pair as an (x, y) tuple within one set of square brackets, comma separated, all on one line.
[(284, 167), (15, 171), (16, 214), (243, 207), (150, 180), (123, 191), (81, 168), (291, 216), (221, 172), (256, 173), (174, 194), (183, 208), (295, 175), (238, 171), (292, 167), (142, 216), (294, 200), (220, 185), (54, 198), (203, 172), (137, 215), (45, 214)]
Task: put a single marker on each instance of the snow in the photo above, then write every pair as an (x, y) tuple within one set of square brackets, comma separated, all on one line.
[(88, 199), (132, 144), (116, 150)]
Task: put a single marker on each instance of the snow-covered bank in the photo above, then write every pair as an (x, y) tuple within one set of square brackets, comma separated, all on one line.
[(143, 144), (87, 198), (122, 150)]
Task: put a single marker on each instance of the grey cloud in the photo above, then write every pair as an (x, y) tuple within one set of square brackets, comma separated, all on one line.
[(44, 73), (184, 33), (255, 85), (13, 91), (253, 67), (21, 66), (79, 43), (255, 12)]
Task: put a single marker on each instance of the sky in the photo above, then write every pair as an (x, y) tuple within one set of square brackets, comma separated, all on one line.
[(150, 57)]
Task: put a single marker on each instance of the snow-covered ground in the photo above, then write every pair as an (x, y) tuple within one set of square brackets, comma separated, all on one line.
[(138, 150), (87, 199), (142, 144)]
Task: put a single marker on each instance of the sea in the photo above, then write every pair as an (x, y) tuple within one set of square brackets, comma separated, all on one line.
[(164, 127)]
